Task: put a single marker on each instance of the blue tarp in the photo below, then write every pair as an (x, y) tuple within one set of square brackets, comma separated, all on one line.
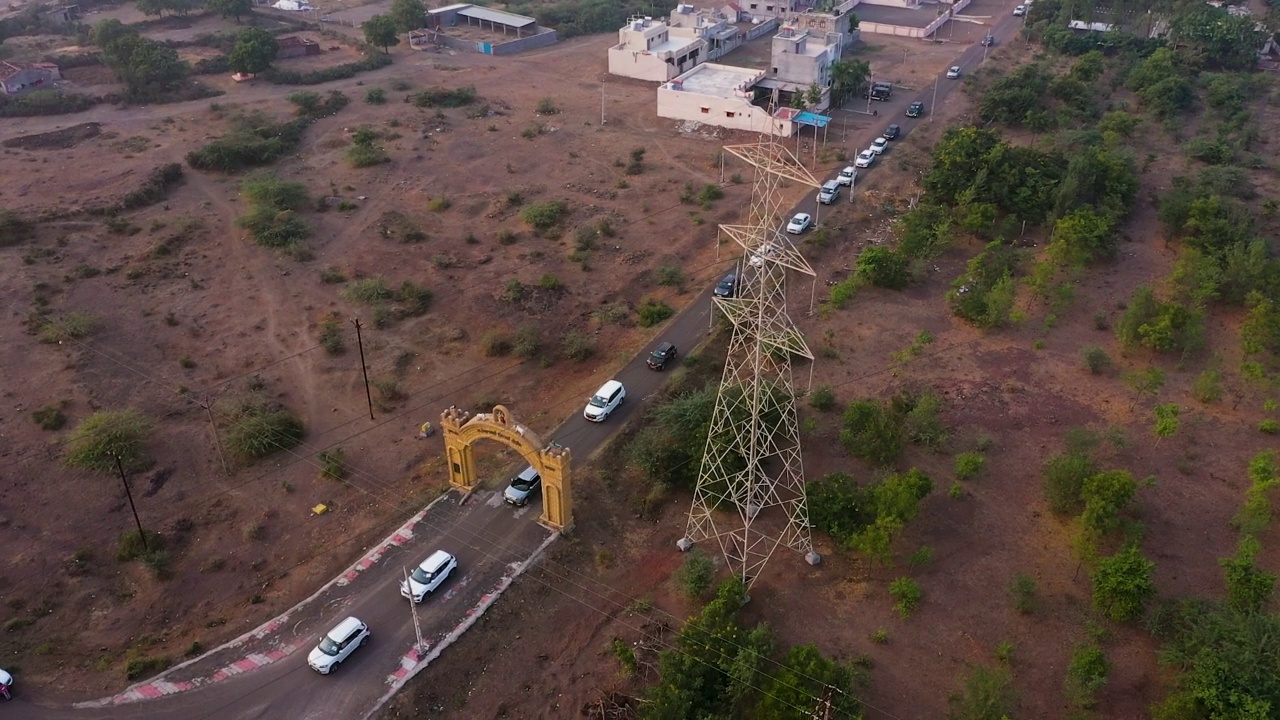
[(814, 119)]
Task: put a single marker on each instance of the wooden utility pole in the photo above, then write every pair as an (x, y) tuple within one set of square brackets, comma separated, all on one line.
[(129, 494), (363, 367), (217, 440)]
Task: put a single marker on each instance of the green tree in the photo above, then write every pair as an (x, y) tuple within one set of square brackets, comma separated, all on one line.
[(1105, 496), (408, 14), (104, 437), (151, 7), (1166, 421), (380, 31), (254, 51), (872, 432), (1064, 478), (848, 77), (804, 676), (987, 694), (1122, 584), (231, 8), (883, 267), (1082, 236), (1144, 383), (147, 67), (1249, 587), (110, 30), (1212, 38)]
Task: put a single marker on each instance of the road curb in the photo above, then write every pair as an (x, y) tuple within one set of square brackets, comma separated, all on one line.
[(159, 686), (413, 662)]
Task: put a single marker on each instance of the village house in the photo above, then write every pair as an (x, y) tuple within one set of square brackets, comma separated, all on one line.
[(18, 77), (294, 46)]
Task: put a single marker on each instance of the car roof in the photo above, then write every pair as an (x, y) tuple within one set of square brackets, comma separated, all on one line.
[(608, 388), (437, 560), (346, 627), (528, 473), (663, 347)]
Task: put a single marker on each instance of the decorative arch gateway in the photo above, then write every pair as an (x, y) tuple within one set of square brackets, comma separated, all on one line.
[(461, 430)]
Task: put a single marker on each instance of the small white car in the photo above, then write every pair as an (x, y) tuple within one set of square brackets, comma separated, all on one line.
[(338, 645), (879, 145), (522, 487), (765, 251), (845, 177), (605, 401), (865, 158), (1020, 10), (799, 223), (953, 72), (428, 576)]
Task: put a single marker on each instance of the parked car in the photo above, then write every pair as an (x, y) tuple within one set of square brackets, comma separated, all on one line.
[(605, 401), (879, 91), (989, 40), (1020, 10), (661, 355), (879, 145), (764, 251), (337, 645), (728, 286), (829, 192), (915, 109), (891, 132), (953, 72), (429, 575), (865, 158), (522, 487), (6, 685), (799, 223), (846, 176)]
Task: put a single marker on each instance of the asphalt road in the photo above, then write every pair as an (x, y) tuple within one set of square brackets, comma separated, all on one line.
[(486, 535)]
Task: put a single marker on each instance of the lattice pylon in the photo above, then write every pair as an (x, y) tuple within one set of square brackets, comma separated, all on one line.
[(750, 495)]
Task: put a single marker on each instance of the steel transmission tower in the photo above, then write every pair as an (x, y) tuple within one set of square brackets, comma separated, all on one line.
[(750, 494)]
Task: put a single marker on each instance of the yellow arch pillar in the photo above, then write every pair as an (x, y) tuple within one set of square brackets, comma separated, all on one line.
[(461, 430)]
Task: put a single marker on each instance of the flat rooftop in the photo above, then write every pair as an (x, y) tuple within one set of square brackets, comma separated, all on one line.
[(717, 80), (673, 45), (906, 17)]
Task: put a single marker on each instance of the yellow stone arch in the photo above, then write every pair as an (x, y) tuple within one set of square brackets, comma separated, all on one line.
[(461, 430)]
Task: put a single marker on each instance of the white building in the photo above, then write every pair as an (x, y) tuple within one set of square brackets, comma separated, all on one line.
[(765, 9), (838, 20), (801, 59), (651, 49), (716, 29), (719, 95)]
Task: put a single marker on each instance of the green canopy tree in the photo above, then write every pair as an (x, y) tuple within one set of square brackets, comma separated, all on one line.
[(231, 8), (847, 77), (380, 31), (254, 51), (408, 14)]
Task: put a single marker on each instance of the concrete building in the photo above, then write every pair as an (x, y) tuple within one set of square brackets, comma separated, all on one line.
[(799, 60), (651, 49), (839, 20), (715, 28), (294, 46), (719, 95), (18, 77), (765, 9)]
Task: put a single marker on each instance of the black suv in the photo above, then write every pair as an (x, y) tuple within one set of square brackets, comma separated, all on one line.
[(661, 355), (891, 132), (728, 286), (915, 110)]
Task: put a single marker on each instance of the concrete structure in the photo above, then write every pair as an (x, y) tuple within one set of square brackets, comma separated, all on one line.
[(918, 22), (821, 24), (524, 31), (63, 14), (764, 9), (294, 46), (719, 95), (801, 60), (650, 49), (716, 29), (19, 77)]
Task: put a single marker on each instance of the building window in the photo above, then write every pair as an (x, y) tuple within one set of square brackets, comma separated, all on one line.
[(706, 111), (728, 113), (754, 6)]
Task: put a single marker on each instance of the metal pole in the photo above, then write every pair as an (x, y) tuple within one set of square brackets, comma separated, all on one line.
[(934, 107), (129, 493), (602, 101), (363, 367), (216, 439), (722, 166), (413, 610), (871, 83)]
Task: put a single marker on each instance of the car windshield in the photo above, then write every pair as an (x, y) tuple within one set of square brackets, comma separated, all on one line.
[(422, 577), (597, 401), (328, 646), (726, 283), (520, 483)]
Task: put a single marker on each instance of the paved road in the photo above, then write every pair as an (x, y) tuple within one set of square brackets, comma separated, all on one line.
[(488, 537)]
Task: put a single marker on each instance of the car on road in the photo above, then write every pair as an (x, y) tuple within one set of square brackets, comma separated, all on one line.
[(605, 401), (337, 645), (846, 176), (865, 158), (879, 145), (799, 223), (953, 72), (892, 132), (727, 287), (915, 109), (829, 192), (522, 487), (429, 575), (1020, 10), (989, 40), (661, 355), (764, 251), (6, 685)]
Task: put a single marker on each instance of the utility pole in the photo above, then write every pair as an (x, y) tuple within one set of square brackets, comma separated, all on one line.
[(208, 408), (853, 183), (934, 107), (129, 494), (871, 85), (602, 101), (413, 610), (363, 367)]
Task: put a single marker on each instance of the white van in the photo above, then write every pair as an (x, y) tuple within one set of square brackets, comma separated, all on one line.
[(846, 176), (605, 401), (830, 192)]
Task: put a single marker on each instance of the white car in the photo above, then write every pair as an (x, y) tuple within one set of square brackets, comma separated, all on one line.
[(765, 251), (879, 145), (522, 487), (845, 177), (428, 576), (799, 223), (338, 645), (865, 158), (605, 401), (1020, 10), (6, 684), (953, 72)]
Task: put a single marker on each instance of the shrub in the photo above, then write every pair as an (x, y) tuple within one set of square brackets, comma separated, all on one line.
[(438, 97), (547, 106), (1086, 674), (272, 218), (883, 267), (906, 594), (367, 291), (363, 155), (140, 667), (1269, 426), (439, 204), (1096, 360), (72, 326), (695, 574), (1064, 478), (256, 430), (574, 345), (14, 228), (871, 431), (375, 96), (1023, 590), (156, 187), (103, 437), (822, 398), (988, 694), (496, 344), (1122, 584), (1208, 387), (969, 464), (412, 299), (543, 216), (130, 545), (372, 61), (653, 311), (331, 464), (1249, 587), (526, 343), (670, 275), (253, 141), (50, 417)]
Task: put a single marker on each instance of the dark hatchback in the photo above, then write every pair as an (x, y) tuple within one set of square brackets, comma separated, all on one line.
[(915, 110), (661, 355), (891, 132), (728, 286)]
